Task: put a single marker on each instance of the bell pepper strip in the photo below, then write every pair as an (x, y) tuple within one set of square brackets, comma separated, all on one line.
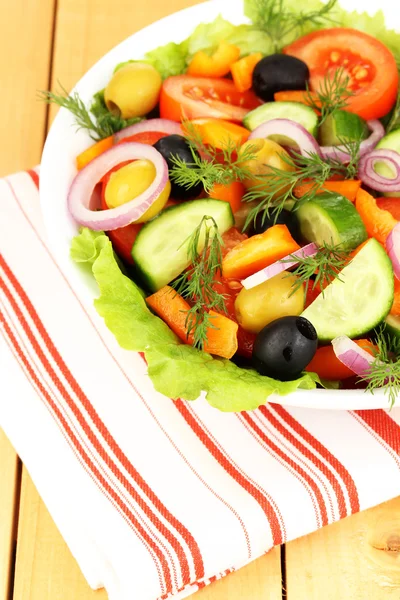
[(378, 223), (328, 366), (242, 71), (395, 310), (392, 205), (219, 133), (172, 308), (258, 252), (144, 137), (216, 65), (232, 193), (347, 188), (93, 152), (297, 96)]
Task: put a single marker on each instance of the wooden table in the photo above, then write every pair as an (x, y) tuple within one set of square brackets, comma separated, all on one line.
[(43, 41)]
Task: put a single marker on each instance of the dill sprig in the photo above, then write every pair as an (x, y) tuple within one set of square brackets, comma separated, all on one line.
[(210, 165), (280, 23), (332, 95), (325, 266), (196, 283), (385, 370), (98, 120), (277, 187)]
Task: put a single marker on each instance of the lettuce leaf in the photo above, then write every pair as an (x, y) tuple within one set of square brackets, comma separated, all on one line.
[(176, 370)]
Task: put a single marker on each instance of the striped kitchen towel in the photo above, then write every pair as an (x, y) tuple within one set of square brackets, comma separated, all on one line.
[(154, 497)]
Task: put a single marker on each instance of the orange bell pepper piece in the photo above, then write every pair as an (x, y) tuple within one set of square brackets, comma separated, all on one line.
[(395, 310), (242, 71), (347, 188), (172, 308), (297, 96), (258, 252), (220, 133), (232, 193), (94, 151), (378, 223), (216, 65), (326, 364)]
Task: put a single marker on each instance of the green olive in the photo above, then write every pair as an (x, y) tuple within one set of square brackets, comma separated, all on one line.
[(266, 154), (133, 90), (268, 301)]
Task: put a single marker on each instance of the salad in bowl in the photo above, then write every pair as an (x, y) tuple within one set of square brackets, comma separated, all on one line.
[(237, 201)]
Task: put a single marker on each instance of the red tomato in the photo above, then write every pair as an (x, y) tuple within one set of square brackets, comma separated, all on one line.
[(370, 66), (145, 137), (392, 205), (188, 97)]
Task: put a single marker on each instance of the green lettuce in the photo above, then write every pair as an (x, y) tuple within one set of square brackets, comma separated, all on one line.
[(176, 370)]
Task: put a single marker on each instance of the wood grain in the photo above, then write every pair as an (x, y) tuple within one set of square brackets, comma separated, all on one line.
[(357, 558), (9, 486), (26, 40)]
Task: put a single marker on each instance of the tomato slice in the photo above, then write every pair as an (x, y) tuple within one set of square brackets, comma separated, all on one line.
[(188, 97), (392, 205), (370, 66)]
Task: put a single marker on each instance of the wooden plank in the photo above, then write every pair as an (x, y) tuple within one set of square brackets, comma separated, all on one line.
[(26, 39), (45, 569), (9, 488), (358, 557)]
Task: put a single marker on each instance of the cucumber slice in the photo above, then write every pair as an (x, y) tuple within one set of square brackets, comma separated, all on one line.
[(359, 301), (333, 219), (160, 249), (391, 141), (342, 127), (392, 326), (282, 110)]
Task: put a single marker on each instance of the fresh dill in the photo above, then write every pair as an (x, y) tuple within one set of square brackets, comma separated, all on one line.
[(98, 120), (283, 25), (325, 266), (196, 284), (210, 165), (278, 187), (384, 372), (332, 95)]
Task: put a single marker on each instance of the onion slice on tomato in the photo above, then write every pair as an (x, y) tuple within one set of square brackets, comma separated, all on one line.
[(160, 125), (288, 129), (82, 188), (279, 266), (340, 152), (368, 175), (352, 356), (393, 249)]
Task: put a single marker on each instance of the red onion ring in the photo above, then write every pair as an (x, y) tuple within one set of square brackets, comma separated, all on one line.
[(393, 248), (289, 129), (279, 266), (160, 125), (83, 185), (370, 177), (340, 152), (352, 356)]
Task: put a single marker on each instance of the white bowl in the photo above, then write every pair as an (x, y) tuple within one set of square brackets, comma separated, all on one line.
[(64, 143)]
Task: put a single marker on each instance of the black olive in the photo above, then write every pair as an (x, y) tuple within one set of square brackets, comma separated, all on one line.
[(284, 348), (176, 145), (279, 72), (285, 217)]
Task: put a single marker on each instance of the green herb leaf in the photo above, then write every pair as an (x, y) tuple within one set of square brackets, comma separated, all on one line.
[(332, 95), (385, 370)]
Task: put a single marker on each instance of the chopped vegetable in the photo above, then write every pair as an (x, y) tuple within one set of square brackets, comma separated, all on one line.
[(219, 133), (329, 367), (258, 252), (302, 96), (347, 188), (221, 332), (395, 310), (393, 249), (231, 192), (378, 223), (216, 65), (391, 205), (133, 91), (93, 151), (242, 71)]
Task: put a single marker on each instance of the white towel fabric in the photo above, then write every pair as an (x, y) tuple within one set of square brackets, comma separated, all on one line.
[(154, 497)]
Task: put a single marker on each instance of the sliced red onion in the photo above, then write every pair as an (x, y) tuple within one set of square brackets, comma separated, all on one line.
[(279, 266), (393, 248), (82, 188), (340, 152), (288, 129), (352, 356), (161, 125), (370, 177)]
